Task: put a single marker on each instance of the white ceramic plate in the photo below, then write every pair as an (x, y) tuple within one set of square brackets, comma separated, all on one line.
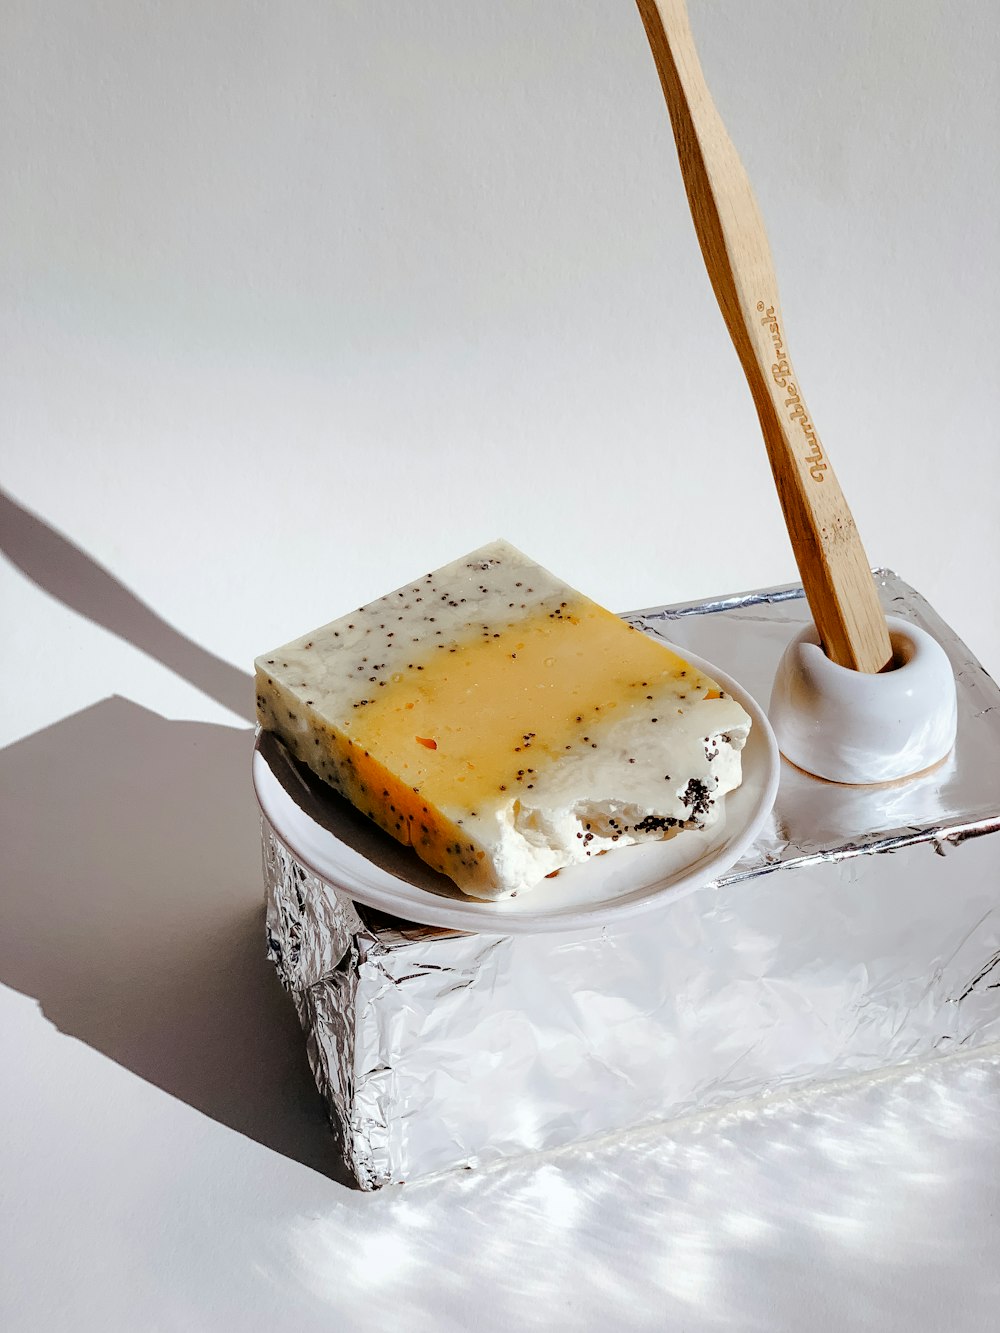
[(340, 845)]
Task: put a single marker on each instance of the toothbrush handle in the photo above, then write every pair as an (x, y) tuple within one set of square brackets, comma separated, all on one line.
[(831, 559)]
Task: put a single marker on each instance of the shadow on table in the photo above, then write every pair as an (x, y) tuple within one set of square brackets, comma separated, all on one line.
[(131, 905)]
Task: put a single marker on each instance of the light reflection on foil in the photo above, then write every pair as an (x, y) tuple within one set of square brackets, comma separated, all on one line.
[(873, 1205), (844, 941)]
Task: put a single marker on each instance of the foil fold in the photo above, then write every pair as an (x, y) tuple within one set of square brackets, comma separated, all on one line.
[(861, 930)]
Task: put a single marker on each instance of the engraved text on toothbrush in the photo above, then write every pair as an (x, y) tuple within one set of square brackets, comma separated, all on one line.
[(781, 371)]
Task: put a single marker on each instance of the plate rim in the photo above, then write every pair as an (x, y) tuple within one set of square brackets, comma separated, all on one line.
[(482, 917)]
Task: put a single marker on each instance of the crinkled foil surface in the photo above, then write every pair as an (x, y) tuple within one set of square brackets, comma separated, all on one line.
[(862, 930)]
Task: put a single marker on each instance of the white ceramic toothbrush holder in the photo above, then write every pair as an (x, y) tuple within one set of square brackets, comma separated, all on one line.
[(851, 726)]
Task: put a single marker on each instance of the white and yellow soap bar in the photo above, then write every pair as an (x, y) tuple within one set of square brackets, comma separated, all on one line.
[(503, 724)]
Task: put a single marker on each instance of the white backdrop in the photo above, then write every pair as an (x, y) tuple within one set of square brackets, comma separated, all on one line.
[(304, 299), (301, 300)]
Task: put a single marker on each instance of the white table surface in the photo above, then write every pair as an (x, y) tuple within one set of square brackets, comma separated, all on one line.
[(165, 1162), (199, 1200), (298, 302)]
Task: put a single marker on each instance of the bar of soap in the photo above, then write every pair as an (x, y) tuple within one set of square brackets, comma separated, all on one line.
[(503, 724)]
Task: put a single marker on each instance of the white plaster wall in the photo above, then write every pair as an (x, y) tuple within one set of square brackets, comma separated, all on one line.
[(302, 299)]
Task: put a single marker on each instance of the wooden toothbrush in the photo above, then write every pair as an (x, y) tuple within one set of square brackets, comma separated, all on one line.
[(832, 563)]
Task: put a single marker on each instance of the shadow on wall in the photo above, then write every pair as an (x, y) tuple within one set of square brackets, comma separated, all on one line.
[(71, 576), (131, 906)]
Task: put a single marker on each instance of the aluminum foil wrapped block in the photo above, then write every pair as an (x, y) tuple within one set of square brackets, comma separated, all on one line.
[(861, 931)]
